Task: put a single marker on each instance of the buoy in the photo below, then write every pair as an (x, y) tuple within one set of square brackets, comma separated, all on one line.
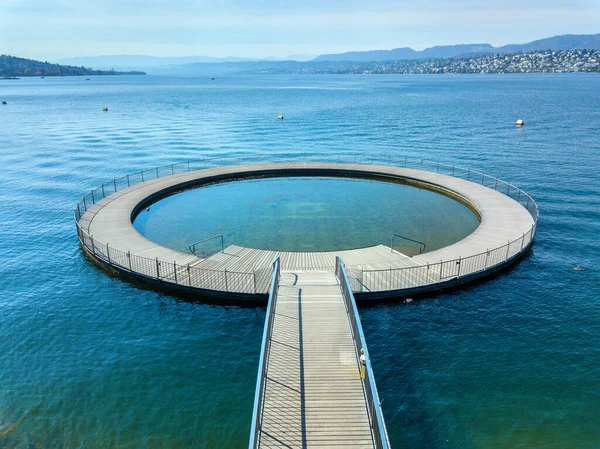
[(148, 209), (578, 268), (520, 122), (105, 109), (280, 117), (4, 102)]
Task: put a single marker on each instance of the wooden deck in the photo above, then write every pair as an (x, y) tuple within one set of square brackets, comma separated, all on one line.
[(313, 394), (240, 258)]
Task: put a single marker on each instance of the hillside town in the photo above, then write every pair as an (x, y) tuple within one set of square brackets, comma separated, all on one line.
[(527, 62)]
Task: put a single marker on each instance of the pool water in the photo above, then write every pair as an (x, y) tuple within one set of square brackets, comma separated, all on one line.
[(307, 214)]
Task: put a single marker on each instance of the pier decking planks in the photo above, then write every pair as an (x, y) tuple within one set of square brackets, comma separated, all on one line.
[(313, 395)]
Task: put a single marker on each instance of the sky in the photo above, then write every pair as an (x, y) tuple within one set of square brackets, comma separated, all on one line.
[(55, 29)]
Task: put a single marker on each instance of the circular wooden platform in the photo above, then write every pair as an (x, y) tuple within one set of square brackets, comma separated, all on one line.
[(508, 219)]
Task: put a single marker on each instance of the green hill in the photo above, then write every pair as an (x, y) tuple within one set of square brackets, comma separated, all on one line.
[(11, 66)]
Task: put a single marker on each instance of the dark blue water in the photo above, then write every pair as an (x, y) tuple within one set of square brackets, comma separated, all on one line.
[(89, 361), (306, 214)]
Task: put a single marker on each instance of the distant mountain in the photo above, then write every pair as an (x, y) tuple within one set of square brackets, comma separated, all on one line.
[(152, 63), (564, 42), (397, 54), (535, 61), (11, 66), (297, 58), (136, 62)]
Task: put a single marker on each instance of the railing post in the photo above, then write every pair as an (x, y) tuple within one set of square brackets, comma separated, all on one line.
[(522, 241), (441, 264), (78, 212), (115, 183), (438, 167), (103, 194), (487, 257), (175, 271), (142, 172), (254, 280), (507, 249), (519, 196), (189, 275), (507, 188), (496, 185), (157, 172), (172, 169), (482, 175), (84, 204), (108, 253), (128, 185), (458, 263), (226, 286), (362, 278), (405, 161), (157, 269), (527, 207), (129, 259), (93, 247), (93, 199)]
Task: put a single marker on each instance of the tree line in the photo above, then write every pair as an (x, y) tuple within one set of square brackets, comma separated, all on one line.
[(12, 66)]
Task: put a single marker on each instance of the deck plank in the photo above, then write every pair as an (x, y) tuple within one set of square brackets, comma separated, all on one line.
[(313, 395)]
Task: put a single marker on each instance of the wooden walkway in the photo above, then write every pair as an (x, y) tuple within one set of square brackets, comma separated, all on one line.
[(313, 394)]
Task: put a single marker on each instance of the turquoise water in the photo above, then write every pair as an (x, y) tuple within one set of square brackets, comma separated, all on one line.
[(306, 214), (89, 361)]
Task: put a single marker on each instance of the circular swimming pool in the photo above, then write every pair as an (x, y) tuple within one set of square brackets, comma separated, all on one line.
[(307, 214)]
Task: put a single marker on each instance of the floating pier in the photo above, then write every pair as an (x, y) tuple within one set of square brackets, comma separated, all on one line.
[(508, 219), (315, 384)]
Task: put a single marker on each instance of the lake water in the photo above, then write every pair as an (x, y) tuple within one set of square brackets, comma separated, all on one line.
[(90, 361), (306, 214)]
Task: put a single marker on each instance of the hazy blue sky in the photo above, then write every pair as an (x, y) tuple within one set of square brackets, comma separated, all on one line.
[(51, 29)]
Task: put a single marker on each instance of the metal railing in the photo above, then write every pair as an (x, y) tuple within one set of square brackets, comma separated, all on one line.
[(256, 282), (378, 429), (421, 276), (192, 247), (422, 245), (127, 181), (263, 363)]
